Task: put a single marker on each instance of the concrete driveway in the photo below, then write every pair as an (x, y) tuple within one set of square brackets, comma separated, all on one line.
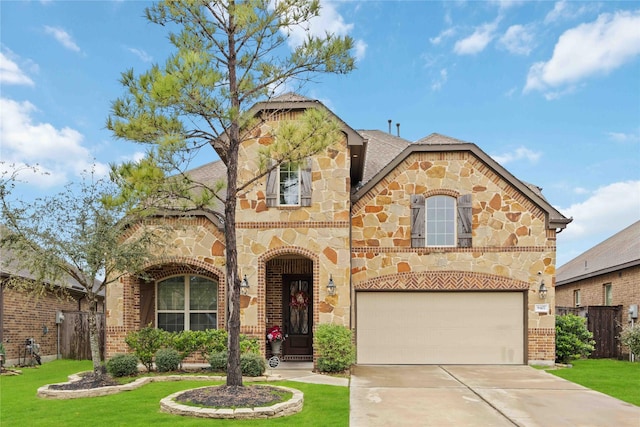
[(464, 395)]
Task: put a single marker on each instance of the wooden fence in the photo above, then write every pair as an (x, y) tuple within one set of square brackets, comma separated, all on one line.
[(74, 335), (605, 322)]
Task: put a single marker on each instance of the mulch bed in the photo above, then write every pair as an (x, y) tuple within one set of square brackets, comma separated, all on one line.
[(86, 382), (232, 396)]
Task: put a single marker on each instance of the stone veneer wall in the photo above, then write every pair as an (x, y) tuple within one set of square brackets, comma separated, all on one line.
[(510, 239), (319, 233)]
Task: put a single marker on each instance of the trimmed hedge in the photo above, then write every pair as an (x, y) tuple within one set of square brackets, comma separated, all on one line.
[(122, 365)]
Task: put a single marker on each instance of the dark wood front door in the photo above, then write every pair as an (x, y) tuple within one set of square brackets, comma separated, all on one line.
[(297, 313)]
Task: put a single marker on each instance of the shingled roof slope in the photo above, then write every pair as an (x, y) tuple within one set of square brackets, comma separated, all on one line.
[(619, 251), (382, 147)]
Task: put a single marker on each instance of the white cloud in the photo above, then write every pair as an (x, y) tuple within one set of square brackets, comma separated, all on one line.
[(444, 34), (440, 81), (477, 41), (519, 154), (144, 56), (608, 210), (594, 48), (11, 74), (624, 137), (62, 37), (56, 151), (565, 10), (518, 40), (360, 50), (328, 21)]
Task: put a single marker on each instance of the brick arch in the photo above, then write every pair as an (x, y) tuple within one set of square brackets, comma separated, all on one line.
[(441, 192), (442, 281), (262, 283), (171, 266)]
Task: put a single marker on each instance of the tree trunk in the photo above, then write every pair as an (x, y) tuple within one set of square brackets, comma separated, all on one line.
[(94, 340)]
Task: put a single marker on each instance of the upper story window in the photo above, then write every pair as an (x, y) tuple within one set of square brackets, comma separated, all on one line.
[(187, 303), (289, 184), (441, 220), (608, 294)]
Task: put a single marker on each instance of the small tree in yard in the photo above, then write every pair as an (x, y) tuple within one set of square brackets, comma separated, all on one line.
[(573, 339), (630, 337), (229, 55), (75, 236)]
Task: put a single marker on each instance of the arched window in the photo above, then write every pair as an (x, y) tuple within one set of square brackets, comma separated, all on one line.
[(441, 221), (187, 303)]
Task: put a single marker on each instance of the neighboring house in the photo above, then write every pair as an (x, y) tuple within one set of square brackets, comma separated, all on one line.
[(608, 274), (24, 316), (430, 251)]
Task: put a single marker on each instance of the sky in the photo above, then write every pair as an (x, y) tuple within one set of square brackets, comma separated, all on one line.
[(550, 90)]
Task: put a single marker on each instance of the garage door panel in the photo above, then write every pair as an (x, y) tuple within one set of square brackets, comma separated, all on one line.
[(440, 328)]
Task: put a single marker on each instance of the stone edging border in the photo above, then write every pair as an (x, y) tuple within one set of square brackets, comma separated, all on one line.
[(48, 393), (282, 409)]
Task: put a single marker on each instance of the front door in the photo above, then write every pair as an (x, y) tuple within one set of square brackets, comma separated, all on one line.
[(297, 313)]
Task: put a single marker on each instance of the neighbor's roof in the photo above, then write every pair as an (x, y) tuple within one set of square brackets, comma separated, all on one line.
[(619, 251)]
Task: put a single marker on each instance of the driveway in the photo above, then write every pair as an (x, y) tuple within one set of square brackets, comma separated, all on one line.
[(464, 395)]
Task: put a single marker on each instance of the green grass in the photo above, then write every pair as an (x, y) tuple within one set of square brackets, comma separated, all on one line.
[(616, 378), (19, 406)]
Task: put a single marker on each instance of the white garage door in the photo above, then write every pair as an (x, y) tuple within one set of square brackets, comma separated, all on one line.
[(440, 327)]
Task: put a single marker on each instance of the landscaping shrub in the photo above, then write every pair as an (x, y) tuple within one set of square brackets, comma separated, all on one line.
[(122, 365), (167, 359), (218, 361), (573, 339), (212, 341), (145, 343), (185, 342), (630, 337), (252, 365), (249, 345), (336, 351)]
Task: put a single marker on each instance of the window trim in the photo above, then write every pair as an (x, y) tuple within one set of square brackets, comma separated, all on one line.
[(577, 301), (452, 220), (186, 311), (607, 297), (279, 194)]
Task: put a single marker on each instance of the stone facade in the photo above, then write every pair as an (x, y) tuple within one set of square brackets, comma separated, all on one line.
[(361, 240)]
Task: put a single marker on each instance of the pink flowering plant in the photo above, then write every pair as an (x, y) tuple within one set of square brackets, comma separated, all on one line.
[(274, 333)]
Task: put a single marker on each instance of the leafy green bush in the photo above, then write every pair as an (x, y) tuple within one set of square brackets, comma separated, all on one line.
[(185, 342), (211, 341), (122, 365), (573, 339), (145, 343), (336, 351), (249, 345), (218, 361), (167, 359), (630, 337), (252, 365)]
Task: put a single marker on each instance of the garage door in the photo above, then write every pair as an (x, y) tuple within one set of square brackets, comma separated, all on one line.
[(440, 327)]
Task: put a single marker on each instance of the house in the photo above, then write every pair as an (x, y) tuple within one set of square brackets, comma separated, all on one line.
[(431, 252), (46, 319), (604, 282)]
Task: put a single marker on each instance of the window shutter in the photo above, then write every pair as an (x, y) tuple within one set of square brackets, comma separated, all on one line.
[(464, 221), (305, 182), (272, 184), (417, 221), (147, 304)]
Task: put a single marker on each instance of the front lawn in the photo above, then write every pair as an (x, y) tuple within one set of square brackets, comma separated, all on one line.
[(323, 405), (616, 378)]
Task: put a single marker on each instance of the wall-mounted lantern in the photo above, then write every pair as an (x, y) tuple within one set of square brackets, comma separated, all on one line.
[(331, 287), (244, 286), (542, 290)]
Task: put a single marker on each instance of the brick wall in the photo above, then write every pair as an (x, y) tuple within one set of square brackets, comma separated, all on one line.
[(24, 317), (625, 286)]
